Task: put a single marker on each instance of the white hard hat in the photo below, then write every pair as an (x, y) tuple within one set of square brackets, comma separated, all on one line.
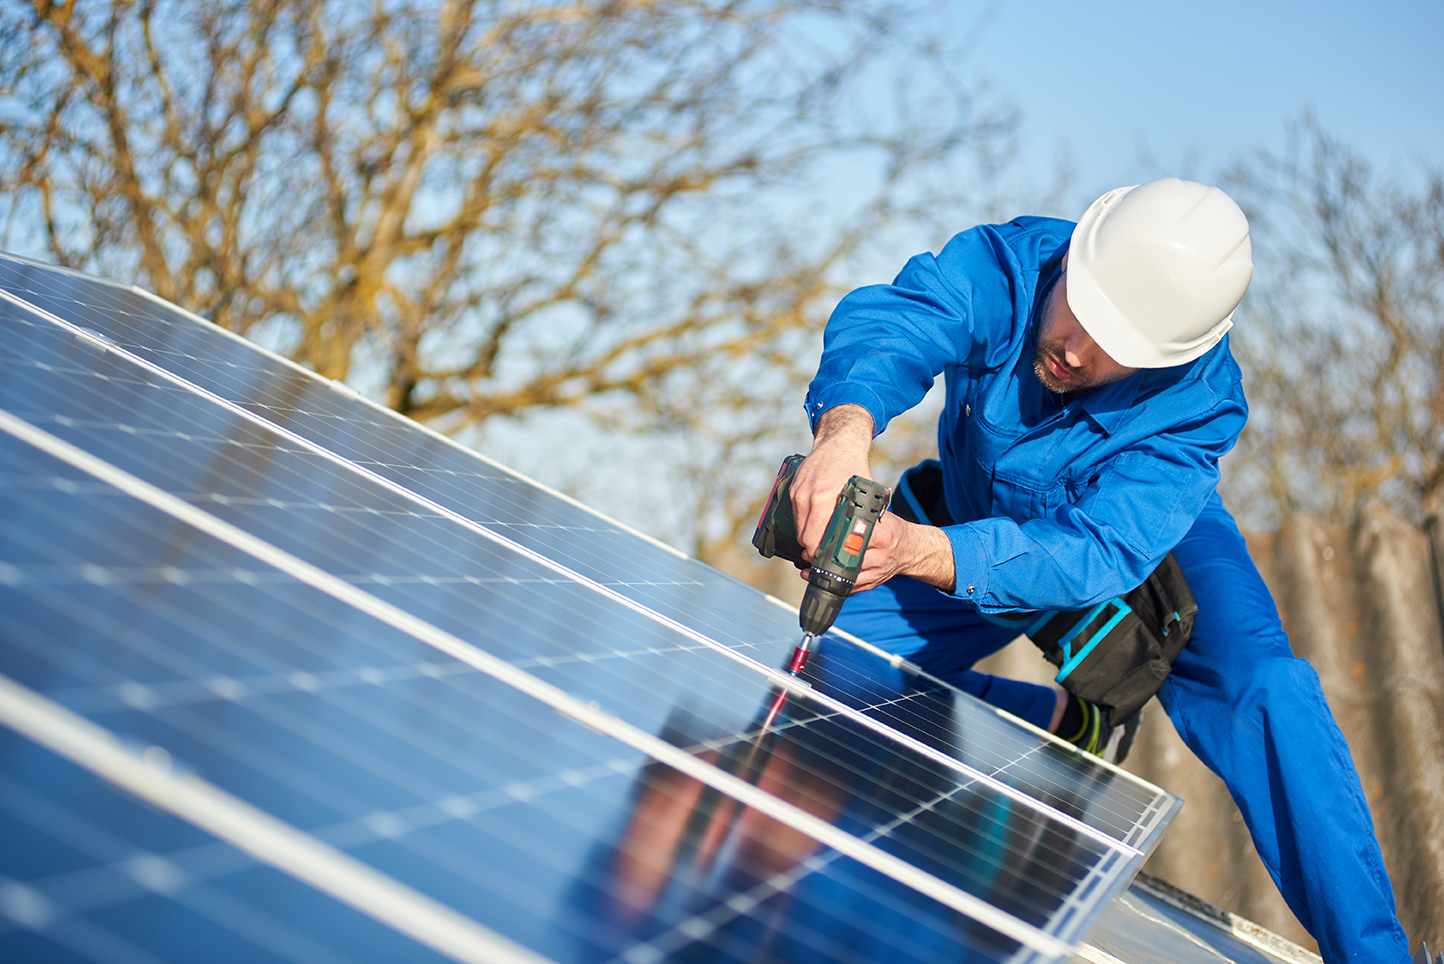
[(1156, 270)]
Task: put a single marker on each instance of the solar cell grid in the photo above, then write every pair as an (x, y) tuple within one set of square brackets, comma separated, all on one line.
[(393, 764), (359, 733), (345, 769), (520, 626), (239, 467), (1128, 811), (457, 480)]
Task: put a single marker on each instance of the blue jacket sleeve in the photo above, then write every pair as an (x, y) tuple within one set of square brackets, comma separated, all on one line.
[(884, 344)]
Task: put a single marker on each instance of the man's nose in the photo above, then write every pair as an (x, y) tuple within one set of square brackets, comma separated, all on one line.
[(1078, 350)]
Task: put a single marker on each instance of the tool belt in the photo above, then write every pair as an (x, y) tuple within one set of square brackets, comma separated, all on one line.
[(1116, 654)]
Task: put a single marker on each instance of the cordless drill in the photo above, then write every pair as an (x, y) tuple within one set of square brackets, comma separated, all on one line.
[(838, 559)]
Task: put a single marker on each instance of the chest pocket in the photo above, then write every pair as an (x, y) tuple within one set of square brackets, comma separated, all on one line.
[(1038, 472)]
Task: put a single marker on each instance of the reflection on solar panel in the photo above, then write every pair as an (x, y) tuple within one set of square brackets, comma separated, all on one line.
[(287, 677)]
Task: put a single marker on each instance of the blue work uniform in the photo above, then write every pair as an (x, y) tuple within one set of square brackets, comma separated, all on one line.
[(1061, 504)]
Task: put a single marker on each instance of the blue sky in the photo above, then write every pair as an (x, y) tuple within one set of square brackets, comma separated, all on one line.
[(1199, 85)]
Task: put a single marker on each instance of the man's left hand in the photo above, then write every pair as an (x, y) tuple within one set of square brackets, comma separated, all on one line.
[(905, 548)]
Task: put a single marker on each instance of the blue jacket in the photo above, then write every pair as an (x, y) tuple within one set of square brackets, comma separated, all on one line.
[(1058, 506)]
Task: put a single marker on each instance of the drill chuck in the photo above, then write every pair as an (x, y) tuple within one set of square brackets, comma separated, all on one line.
[(822, 601)]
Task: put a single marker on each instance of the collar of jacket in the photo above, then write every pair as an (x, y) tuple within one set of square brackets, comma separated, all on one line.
[(1110, 406)]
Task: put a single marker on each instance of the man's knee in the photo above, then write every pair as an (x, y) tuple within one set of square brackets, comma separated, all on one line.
[(1245, 691), (1283, 681), (1279, 695)]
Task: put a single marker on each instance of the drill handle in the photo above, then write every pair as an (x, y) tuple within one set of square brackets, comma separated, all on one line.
[(776, 533)]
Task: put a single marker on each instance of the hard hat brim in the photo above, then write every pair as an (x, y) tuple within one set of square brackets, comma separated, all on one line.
[(1109, 327)]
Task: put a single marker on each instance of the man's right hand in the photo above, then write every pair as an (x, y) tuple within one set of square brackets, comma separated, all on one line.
[(840, 450)]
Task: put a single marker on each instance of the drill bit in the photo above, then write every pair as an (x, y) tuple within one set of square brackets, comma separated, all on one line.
[(800, 654), (794, 666)]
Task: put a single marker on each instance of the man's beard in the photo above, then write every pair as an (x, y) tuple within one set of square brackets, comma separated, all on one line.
[(1051, 381), (1079, 383)]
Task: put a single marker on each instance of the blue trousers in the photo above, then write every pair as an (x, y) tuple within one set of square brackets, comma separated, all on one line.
[(1252, 712)]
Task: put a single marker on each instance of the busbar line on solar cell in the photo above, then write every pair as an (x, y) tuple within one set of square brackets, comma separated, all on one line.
[(36, 912), (1156, 813), (441, 805), (735, 787), (207, 861), (155, 575), (256, 832), (699, 927), (77, 935), (776, 677), (1142, 828), (159, 695), (149, 697), (410, 425)]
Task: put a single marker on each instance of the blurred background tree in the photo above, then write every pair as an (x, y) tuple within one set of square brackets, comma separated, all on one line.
[(1342, 337), (475, 211), (601, 238)]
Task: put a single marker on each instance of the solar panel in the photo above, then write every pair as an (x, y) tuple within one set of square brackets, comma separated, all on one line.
[(286, 676)]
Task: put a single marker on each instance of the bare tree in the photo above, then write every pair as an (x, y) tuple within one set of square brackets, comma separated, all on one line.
[(473, 208), (1343, 341)]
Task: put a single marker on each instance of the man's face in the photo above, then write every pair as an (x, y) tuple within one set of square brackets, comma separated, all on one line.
[(1067, 359)]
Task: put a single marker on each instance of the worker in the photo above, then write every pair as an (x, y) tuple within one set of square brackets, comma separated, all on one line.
[(1090, 396)]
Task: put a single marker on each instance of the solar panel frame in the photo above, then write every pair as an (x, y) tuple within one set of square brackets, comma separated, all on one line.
[(1144, 825), (1125, 850), (1143, 829)]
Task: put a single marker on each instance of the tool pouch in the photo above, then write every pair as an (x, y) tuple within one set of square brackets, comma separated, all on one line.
[(1116, 654), (919, 496)]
